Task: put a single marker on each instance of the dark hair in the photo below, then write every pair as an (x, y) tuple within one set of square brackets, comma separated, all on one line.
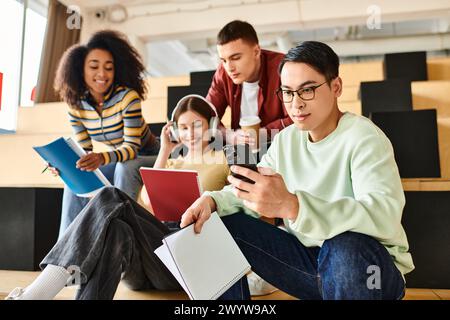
[(316, 54), (197, 105), (235, 30), (128, 66)]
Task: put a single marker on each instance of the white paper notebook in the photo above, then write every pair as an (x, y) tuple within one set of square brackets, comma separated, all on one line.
[(205, 264)]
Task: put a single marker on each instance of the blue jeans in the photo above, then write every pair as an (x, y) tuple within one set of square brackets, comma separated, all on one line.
[(341, 269), (123, 175)]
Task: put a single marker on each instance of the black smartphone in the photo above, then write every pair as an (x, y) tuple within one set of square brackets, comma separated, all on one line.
[(240, 155)]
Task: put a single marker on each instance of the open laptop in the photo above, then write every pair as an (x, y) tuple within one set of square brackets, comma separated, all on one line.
[(171, 192)]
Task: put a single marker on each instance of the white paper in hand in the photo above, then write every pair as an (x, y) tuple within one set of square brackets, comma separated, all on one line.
[(205, 264)]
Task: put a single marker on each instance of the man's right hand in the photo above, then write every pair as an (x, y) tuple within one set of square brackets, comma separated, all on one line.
[(53, 170), (198, 213)]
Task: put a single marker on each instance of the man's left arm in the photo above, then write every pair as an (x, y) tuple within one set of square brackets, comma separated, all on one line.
[(376, 207)]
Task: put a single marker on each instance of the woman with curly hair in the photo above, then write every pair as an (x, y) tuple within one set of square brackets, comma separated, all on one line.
[(102, 82)]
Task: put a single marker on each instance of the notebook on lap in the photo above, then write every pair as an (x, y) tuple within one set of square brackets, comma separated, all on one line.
[(171, 192)]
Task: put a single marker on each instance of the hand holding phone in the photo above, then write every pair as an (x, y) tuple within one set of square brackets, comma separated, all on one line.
[(240, 155)]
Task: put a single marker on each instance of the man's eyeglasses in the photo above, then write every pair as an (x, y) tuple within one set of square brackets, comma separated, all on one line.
[(308, 93)]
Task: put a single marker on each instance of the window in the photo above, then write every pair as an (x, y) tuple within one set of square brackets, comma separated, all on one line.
[(34, 39), (19, 48), (11, 18)]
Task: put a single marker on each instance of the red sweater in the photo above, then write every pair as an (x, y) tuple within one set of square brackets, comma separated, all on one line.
[(223, 92)]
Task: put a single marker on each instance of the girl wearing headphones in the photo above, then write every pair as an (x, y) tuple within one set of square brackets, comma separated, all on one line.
[(194, 126), (191, 132)]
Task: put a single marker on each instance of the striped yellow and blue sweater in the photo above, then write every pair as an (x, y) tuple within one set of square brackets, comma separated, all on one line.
[(120, 124)]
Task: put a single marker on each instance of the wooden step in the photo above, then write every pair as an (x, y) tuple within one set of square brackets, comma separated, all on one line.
[(12, 279)]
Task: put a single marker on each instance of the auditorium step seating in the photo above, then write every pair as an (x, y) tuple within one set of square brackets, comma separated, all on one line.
[(35, 127), (21, 167)]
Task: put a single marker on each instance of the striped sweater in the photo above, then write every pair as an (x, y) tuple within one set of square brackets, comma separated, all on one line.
[(120, 124)]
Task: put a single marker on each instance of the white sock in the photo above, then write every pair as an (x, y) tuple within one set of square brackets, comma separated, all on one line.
[(48, 284)]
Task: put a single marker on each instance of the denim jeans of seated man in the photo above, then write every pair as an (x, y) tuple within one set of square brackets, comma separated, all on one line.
[(343, 268), (123, 175)]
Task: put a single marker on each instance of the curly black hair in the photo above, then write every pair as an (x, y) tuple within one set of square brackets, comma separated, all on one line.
[(128, 66)]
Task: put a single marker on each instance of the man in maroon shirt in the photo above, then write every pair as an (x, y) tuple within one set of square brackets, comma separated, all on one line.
[(247, 80)]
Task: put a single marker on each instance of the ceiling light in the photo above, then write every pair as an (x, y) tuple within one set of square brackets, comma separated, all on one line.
[(117, 13)]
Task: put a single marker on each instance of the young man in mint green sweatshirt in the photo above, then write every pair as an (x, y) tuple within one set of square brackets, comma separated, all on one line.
[(332, 178)]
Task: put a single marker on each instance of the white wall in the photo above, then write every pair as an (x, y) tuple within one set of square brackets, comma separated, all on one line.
[(157, 21)]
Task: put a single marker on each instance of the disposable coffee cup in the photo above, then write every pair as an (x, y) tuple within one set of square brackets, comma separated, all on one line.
[(251, 125)]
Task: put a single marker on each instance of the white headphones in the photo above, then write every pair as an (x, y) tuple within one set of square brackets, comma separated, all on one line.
[(213, 122)]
